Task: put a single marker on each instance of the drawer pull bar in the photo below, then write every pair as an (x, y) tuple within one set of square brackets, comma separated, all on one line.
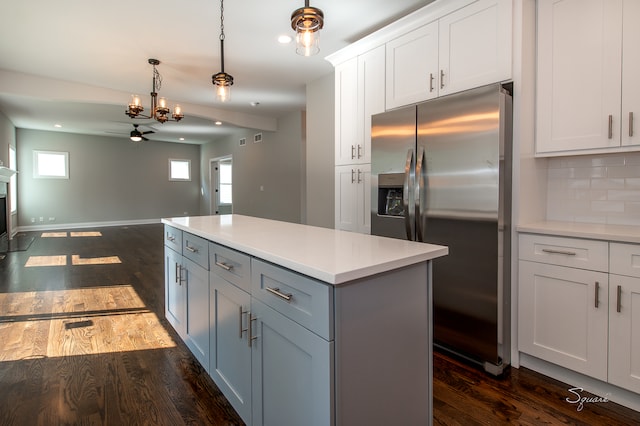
[(610, 132), (619, 299), (191, 249), (551, 251), (170, 238), (596, 295), (250, 318), (178, 273), (224, 266), (241, 330), (276, 291)]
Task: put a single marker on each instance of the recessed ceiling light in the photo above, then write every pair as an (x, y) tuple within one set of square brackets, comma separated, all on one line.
[(180, 139), (284, 39), (218, 123), (57, 126), (255, 104)]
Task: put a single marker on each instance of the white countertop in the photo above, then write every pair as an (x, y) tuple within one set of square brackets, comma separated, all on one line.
[(619, 233), (330, 255)]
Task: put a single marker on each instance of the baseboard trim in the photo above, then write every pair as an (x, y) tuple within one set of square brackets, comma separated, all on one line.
[(573, 379), (82, 225)]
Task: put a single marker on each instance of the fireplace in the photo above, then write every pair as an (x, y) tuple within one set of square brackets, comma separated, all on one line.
[(3, 217)]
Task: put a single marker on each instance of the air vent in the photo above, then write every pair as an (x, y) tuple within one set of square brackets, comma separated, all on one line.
[(243, 141), (257, 138)]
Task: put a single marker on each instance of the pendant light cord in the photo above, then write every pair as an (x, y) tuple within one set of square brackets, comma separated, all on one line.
[(222, 35)]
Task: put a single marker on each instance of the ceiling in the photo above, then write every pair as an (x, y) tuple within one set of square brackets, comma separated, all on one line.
[(76, 63)]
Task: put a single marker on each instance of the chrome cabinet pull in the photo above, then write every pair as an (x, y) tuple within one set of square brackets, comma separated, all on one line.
[(565, 252), (240, 329), (191, 249), (610, 126), (619, 299), (224, 266), (353, 152), (170, 238), (431, 82), (353, 176), (359, 176), (178, 273), (631, 124), (597, 292), (251, 318), (359, 151), (442, 79), (277, 292)]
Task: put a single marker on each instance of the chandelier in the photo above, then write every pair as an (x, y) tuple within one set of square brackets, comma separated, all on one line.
[(222, 80), (307, 22), (159, 110)]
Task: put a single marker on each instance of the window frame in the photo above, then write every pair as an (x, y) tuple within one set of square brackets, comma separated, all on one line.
[(36, 164), (13, 180), (222, 163), (178, 179)]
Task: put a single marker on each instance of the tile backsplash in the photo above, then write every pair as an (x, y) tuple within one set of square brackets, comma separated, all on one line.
[(594, 189)]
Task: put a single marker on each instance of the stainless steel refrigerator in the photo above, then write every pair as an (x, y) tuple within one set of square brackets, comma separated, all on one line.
[(441, 173)]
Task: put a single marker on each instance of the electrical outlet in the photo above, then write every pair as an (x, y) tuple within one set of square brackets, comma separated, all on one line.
[(41, 219), (52, 219), (33, 220)]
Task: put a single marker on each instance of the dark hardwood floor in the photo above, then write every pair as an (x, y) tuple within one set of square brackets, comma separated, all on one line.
[(83, 340)]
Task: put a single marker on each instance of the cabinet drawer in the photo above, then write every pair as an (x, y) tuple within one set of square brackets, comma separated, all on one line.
[(173, 238), (196, 249), (304, 300), (624, 259), (573, 252), (231, 265)]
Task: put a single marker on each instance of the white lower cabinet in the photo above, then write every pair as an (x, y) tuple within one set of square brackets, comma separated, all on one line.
[(579, 306)]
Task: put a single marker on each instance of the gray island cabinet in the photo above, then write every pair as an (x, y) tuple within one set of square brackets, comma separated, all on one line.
[(300, 325)]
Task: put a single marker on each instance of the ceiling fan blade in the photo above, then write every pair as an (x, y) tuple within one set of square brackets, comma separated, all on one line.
[(145, 139), (147, 132)]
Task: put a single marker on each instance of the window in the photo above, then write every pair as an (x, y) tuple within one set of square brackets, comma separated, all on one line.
[(225, 182), (179, 169), (50, 165), (13, 193)]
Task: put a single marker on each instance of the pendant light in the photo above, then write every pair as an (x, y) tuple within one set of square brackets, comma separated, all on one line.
[(307, 23), (222, 80)]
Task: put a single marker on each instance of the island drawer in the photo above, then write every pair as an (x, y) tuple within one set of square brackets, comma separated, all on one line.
[(302, 299), (564, 251), (195, 249), (173, 238), (231, 265), (624, 259)]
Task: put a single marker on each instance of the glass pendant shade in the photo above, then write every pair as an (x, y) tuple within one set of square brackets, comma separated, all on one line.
[(307, 22)]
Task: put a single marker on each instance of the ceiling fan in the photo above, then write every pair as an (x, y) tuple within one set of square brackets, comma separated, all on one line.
[(137, 136)]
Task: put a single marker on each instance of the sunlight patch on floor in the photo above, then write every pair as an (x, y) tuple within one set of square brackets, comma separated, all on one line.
[(77, 322), (76, 260), (46, 261)]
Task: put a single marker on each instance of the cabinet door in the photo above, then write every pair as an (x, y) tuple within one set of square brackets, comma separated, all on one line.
[(175, 292), (196, 280), (563, 315), (630, 71), (412, 67), (371, 72), (475, 46), (230, 357), (353, 198), (624, 332), (579, 75), (291, 368), (346, 114)]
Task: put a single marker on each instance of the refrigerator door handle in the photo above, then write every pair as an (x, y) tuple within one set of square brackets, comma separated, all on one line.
[(420, 195), (407, 195)]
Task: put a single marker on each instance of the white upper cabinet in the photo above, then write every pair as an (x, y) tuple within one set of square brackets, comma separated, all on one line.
[(468, 48), (412, 67), (630, 72), (359, 91), (587, 64), (475, 46)]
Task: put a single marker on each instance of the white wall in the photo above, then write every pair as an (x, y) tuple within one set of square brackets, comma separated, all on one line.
[(110, 180), (7, 137)]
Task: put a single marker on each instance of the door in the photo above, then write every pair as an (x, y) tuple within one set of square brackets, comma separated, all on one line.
[(175, 292), (292, 374), (393, 142), (563, 316), (624, 333), (220, 185), (230, 357), (458, 177)]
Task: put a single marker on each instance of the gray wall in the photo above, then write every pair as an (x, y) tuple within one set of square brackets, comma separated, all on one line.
[(111, 180), (320, 199), (275, 164)]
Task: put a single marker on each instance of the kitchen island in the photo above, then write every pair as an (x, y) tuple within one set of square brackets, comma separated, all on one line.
[(304, 325)]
